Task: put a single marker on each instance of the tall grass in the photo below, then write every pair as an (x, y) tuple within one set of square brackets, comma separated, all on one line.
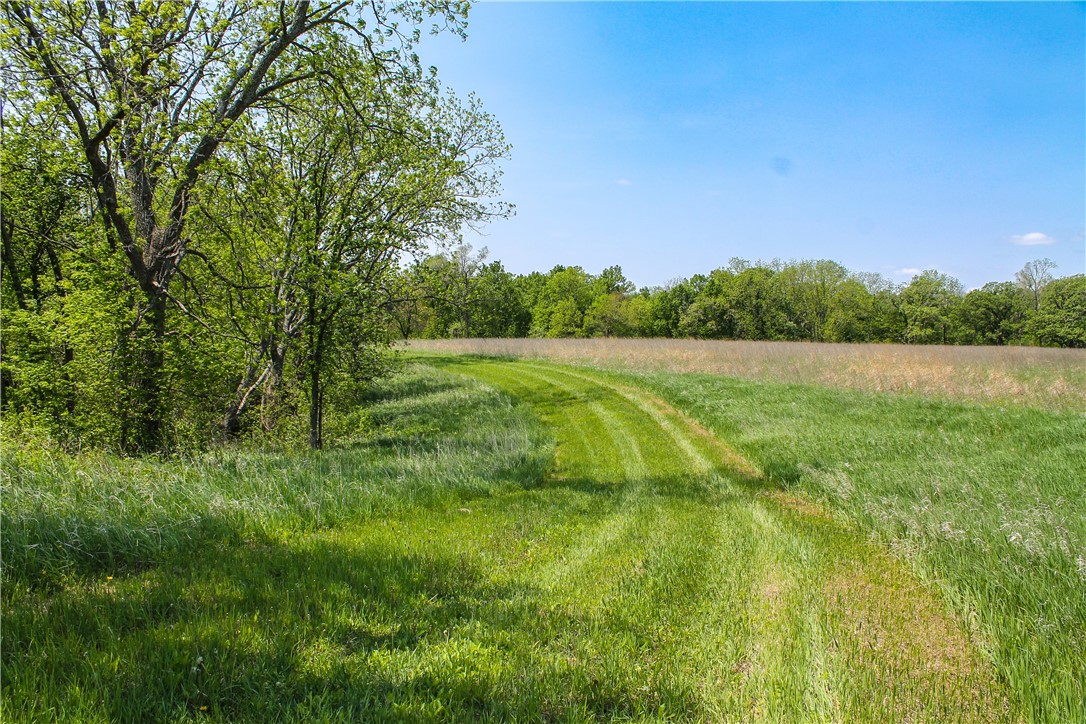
[(988, 504), (431, 441), (1051, 378), (442, 570)]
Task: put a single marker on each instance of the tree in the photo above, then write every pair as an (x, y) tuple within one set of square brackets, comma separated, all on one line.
[(363, 173), (708, 317), (928, 303), (406, 301), (1061, 319), (467, 297), (562, 302), (40, 209), (815, 286), (40, 212), (994, 314), (611, 281), (64, 291), (1033, 278), (565, 319), (613, 315), (150, 92), (454, 278), (852, 314), (499, 309), (757, 302)]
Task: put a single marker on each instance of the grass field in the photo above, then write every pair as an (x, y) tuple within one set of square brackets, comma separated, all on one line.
[(986, 505), (530, 541), (1033, 376)]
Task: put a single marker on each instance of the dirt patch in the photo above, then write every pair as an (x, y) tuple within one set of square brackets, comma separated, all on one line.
[(888, 625), (798, 504), (772, 591)]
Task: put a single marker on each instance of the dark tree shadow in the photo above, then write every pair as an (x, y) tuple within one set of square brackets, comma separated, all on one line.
[(270, 632)]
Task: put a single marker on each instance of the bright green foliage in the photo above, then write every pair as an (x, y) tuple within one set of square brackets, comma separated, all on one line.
[(851, 314), (707, 317), (1032, 279), (814, 288), (810, 300), (929, 304), (465, 296), (1061, 318), (666, 307), (96, 513), (500, 311), (616, 315), (204, 206), (562, 302), (994, 314), (759, 305)]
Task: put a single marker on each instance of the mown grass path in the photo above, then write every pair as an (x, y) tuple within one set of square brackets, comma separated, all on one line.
[(681, 585)]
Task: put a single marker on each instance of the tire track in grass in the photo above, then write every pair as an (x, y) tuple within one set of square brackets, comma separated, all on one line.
[(768, 669), (738, 598), (588, 562), (702, 631), (778, 645), (923, 653), (945, 649)]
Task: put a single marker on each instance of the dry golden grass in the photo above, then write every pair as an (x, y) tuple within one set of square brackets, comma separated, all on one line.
[(1034, 376)]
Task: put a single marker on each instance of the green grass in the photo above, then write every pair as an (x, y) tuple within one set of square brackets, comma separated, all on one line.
[(572, 548), (986, 504), (432, 441)]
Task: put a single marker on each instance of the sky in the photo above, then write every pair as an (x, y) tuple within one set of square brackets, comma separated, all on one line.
[(668, 137)]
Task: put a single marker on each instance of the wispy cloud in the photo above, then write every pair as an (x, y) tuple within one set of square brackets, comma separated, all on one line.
[(908, 271), (1033, 238), (624, 182)]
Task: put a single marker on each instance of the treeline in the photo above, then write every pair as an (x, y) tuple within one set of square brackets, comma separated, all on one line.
[(204, 208), (459, 294)]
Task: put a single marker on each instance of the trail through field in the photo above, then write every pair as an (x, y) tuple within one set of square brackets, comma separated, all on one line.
[(446, 569), (656, 574)]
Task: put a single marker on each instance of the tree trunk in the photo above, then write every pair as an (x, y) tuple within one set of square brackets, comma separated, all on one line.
[(255, 375), (148, 385), (69, 393), (10, 266), (316, 406)]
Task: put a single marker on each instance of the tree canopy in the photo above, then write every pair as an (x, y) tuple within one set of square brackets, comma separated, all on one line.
[(239, 181), (810, 300)]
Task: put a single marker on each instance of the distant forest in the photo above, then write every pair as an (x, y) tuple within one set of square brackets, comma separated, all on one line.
[(460, 294)]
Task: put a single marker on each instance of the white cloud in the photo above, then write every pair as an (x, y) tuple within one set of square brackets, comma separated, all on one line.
[(624, 182), (908, 271), (1033, 238)]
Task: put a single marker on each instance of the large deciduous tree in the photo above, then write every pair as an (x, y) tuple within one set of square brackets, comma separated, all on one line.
[(151, 90), (362, 172), (1061, 319), (929, 303), (1033, 277)]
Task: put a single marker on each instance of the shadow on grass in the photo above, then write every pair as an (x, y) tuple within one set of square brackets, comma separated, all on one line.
[(119, 522), (314, 627)]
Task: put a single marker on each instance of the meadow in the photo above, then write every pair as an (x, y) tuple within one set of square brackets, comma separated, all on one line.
[(1035, 376), (528, 540)]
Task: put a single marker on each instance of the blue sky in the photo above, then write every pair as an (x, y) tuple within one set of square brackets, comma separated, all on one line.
[(669, 137)]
